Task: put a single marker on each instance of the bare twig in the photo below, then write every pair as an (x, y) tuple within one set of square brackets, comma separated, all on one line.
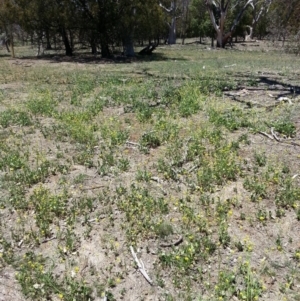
[(48, 239), (85, 265), (92, 187), (140, 265), (132, 143), (230, 66), (175, 243), (193, 168), (156, 179)]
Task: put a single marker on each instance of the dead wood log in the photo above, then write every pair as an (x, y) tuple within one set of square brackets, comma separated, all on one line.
[(148, 50)]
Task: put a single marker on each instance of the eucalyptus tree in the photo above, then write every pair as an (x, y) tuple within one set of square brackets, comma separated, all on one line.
[(200, 24), (100, 18), (142, 20), (284, 18), (260, 9), (171, 8), (8, 15), (218, 11)]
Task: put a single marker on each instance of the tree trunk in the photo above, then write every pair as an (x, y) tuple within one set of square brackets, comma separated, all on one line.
[(71, 39), (220, 39), (94, 47), (11, 38), (172, 32), (48, 47), (68, 48), (105, 52), (93, 44), (128, 46)]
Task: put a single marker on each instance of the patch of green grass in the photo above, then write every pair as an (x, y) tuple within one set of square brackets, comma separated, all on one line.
[(38, 281), (14, 117), (232, 119), (42, 103), (285, 127), (287, 195), (140, 207), (47, 208)]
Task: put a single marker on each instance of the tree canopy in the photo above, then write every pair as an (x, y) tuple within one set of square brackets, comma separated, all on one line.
[(102, 25)]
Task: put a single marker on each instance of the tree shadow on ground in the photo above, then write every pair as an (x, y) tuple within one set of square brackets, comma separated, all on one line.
[(5, 55), (276, 84), (272, 82), (87, 58)]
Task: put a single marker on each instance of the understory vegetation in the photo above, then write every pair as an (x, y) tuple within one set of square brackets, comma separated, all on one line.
[(190, 156)]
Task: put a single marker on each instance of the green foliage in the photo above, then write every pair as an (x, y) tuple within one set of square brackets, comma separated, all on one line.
[(37, 281), (14, 117), (42, 103), (232, 119), (47, 207), (285, 127), (288, 195), (257, 187), (140, 207)]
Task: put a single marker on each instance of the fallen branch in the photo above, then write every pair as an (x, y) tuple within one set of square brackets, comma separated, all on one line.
[(140, 265), (274, 135), (156, 179), (175, 243), (133, 143), (265, 134), (285, 99), (292, 143)]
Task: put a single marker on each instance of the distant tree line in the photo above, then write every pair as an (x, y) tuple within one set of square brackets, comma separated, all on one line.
[(104, 25)]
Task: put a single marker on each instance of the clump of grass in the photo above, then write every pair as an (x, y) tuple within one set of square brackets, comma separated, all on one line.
[(42, 103), (14, 117), (231, 119), (47, 208), (140, 207), (38, 281), (163, 229), (287, 195), (78, 127), (285, 127), (149, 140)]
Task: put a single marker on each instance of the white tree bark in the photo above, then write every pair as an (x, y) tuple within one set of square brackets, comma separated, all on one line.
[(257, 13), (172, 26), (222, 6)]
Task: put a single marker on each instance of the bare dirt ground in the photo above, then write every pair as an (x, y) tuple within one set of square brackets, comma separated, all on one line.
[(100, 255)]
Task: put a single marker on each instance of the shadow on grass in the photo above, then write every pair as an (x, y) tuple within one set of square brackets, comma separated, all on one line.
[(275, 84), (5, 55), (87, 58), (260, 82)]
